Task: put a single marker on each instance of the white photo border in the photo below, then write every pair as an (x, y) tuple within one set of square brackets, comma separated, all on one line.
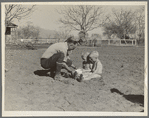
[(55, 113)]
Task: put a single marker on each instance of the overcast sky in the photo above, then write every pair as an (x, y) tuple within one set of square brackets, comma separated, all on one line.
[(46, 16)]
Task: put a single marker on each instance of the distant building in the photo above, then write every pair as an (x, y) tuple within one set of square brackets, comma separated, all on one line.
[(10, 28), (10, 32)]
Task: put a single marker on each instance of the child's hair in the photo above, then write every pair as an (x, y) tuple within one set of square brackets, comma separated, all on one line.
[(84, 55), (94, 54)]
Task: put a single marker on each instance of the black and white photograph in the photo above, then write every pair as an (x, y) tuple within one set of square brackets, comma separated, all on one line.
[(74, 58)]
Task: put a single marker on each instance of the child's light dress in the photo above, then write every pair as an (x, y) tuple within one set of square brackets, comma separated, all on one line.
[(94, 72)]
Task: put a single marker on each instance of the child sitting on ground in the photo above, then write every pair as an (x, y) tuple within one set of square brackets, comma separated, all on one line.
[(95, 71), (86, 63)]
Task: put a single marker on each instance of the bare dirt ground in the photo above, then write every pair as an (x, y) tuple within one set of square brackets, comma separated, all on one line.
[(121, 88)]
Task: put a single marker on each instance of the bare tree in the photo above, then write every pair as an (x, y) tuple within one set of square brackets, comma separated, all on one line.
[(28, 31), (16, 11), (94, 38), (63, 34), (81, 18), (140, 23), (120, 22)]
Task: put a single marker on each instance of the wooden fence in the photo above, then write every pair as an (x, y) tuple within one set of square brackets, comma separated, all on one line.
[(115, 42), (41, 41)]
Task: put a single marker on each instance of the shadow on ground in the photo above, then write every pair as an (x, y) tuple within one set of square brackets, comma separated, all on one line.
[(132, 98), (48, 73), (42, 72)]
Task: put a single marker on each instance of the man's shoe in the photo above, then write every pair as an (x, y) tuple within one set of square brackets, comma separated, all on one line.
[(52, 74)]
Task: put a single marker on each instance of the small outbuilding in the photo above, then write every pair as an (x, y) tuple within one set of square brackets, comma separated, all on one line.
[(11, 27), (10, 32)]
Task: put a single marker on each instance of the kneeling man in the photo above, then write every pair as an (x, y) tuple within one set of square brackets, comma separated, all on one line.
[(55, 56)]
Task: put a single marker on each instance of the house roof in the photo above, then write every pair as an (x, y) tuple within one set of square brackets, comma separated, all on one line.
[(12, 25)]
